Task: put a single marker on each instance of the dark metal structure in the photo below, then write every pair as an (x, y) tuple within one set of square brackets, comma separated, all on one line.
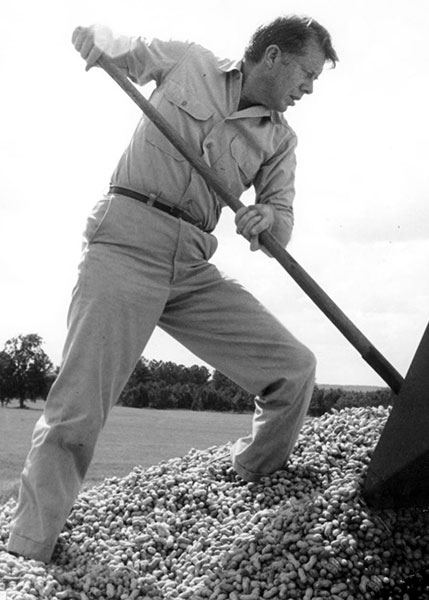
[(398, 474)]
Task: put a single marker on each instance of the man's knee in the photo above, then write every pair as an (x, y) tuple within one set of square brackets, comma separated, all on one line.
[(299, 363), (308, 360), (294, 373)]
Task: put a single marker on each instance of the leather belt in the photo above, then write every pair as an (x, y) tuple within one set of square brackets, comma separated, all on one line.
[(174, 211)]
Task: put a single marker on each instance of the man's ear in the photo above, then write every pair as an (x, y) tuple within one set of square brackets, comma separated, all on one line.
[(272, 55)]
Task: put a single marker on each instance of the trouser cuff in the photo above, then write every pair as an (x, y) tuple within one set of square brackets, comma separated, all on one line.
[(30, 549), (244, 473)]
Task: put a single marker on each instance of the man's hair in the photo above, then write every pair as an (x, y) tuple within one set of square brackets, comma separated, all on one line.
[(291, 34)]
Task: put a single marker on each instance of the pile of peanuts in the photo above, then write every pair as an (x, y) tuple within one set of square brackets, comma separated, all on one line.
[(190, 528)]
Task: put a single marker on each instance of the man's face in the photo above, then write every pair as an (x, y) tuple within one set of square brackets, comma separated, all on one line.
[(290, 77)]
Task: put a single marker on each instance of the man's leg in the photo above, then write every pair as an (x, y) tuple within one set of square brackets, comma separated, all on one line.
[(114, 310), (228, 328)]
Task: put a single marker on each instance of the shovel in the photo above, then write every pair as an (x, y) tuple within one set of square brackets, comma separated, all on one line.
[(389, 477)]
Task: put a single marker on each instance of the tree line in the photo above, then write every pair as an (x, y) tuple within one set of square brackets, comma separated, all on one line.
[(27, 373), (157, 384)]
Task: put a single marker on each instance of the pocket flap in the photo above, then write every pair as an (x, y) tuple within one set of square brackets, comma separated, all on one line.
[(184, 100)]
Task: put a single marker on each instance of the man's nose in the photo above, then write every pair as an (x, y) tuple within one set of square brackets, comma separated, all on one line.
[(307, 87)]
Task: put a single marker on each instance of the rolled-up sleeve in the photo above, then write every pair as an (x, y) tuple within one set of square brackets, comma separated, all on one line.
[(275, 185), (144, 61)]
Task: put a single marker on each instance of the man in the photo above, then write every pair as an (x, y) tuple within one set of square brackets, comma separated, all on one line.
[(146, 258)]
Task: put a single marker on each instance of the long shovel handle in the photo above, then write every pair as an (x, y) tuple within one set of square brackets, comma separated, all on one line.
[(368, 352)]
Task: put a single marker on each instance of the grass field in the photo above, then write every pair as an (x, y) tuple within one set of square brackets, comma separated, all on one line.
[(131, 437)]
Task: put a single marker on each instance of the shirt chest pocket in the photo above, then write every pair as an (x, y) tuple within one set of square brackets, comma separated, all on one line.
[(247, 159), (185, 113)]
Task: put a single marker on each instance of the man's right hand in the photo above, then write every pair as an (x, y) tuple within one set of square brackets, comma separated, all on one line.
[(90, 42)]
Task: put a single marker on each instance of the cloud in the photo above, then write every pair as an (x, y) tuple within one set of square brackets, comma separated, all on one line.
[(380, 219)]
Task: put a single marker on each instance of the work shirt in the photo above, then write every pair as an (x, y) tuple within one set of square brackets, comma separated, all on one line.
[(199, 95)]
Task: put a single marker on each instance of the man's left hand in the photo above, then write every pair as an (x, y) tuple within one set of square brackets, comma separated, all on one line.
[(253, 220)]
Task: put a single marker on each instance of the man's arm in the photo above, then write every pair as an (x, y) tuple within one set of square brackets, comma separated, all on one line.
[(275, 191), (93, 41), (138, 60)]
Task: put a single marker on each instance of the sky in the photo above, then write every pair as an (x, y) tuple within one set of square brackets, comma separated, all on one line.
[(362, 181)]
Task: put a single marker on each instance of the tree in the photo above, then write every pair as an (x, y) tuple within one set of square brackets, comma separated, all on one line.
[(30, 371), (197, 375), (158, 384), (161, 396), (136, 396), (141, 374), (6, 385), (161, 384), (209, 398), (184, 394), (324, 400), (239, 400), (222, 382), (168, 372)]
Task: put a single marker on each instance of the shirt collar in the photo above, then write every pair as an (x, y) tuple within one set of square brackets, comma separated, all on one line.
[(227, 66)]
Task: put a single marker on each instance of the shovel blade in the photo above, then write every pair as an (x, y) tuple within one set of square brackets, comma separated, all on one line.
[(398, 474)]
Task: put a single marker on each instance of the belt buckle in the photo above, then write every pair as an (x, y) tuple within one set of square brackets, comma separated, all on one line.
[(151, 199)]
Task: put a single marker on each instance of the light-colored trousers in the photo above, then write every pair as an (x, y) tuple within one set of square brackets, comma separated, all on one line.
[(141, 268)]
